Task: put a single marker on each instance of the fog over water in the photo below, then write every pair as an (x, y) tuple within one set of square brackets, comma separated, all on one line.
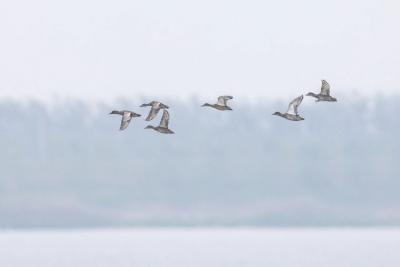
[(68, 165)]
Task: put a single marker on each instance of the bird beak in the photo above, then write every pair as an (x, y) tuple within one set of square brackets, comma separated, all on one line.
[(143, 105)]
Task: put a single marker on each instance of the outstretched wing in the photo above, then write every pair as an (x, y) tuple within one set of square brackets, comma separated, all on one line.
[(161, 105), (155, 108), (223, 99), (165, 119), (293, 106), (325, 88), (126, 119), (117, 112)]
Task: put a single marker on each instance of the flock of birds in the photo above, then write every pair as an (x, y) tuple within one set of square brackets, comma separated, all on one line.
[(222, 104)]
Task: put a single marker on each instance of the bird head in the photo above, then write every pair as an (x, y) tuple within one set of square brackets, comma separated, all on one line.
[(311, 94)]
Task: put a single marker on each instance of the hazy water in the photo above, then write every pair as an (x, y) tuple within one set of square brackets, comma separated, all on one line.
[(201, 247)]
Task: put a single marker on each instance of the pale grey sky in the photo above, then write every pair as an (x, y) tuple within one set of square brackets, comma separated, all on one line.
[(99, 50)]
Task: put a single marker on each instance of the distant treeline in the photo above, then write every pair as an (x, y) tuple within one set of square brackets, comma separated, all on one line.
[(70, 166)]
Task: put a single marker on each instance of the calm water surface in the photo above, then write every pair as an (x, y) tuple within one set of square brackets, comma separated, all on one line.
[(201, 247)]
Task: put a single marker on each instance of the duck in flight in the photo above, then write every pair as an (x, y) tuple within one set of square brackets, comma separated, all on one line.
[(324, 95), (292, 112), (155, 108), (126, 117), (163, 127), (221, 104)]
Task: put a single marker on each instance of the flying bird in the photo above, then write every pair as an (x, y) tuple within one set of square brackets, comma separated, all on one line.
[(324, 95), (292, 112), (221, 104), (163, 127), (155, 108), (126, 117)]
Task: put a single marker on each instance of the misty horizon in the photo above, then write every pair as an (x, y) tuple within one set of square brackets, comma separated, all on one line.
[(67, 166)]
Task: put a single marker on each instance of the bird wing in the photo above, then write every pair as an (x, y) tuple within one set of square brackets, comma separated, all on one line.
[(165, 119), (325, 88), (131, 112), (126, 119), (117, 112), (161, 105), (293, 106), (223, 99), (155, 108)]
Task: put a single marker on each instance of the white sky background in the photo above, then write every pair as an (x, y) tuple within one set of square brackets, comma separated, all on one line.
[(100, 50)]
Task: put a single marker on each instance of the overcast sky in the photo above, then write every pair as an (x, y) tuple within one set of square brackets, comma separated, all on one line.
[(99, 50)]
